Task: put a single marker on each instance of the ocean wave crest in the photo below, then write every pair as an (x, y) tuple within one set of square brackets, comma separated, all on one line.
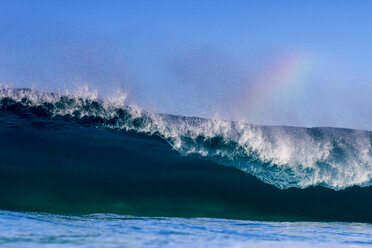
[(282, 156)]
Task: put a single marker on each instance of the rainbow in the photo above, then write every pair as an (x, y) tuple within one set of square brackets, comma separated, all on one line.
[(286, 76)]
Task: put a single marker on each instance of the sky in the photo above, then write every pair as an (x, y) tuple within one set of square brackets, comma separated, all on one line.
[(298, 63)]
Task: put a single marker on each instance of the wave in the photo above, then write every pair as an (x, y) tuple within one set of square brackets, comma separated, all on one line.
[(72, 154), (282, 156)]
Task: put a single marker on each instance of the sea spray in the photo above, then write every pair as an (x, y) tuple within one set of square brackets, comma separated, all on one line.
[(282, 156)]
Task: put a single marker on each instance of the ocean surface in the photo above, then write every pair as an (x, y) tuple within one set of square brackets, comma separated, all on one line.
[(77, 170), (111, 230)]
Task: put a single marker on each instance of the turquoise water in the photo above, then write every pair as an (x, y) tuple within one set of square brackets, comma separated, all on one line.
[(19, 229)]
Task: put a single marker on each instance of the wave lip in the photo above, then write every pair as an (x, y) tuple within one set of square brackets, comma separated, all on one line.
[(282, 156)]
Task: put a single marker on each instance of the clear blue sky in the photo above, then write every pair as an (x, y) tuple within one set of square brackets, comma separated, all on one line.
[(199, 57)]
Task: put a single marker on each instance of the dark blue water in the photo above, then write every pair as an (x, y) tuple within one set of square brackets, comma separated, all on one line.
[(73, 157)]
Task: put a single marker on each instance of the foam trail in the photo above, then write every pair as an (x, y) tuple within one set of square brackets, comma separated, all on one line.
[(282, 156)]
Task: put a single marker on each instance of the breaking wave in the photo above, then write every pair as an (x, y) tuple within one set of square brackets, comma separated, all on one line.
[(282, 156)]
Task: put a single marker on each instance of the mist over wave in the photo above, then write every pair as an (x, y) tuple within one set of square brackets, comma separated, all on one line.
[(282, 156)]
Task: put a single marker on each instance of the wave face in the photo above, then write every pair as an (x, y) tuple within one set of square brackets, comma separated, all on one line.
[(282, 156), (68, 154)]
